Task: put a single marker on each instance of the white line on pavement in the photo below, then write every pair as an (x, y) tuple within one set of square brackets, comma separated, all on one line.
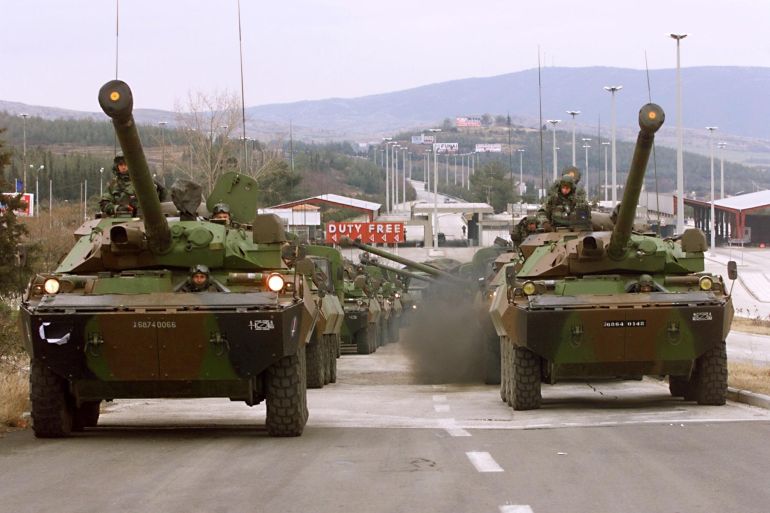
[(484, 462), (441, 408), (450, 427), (439, 398), (515, 508)]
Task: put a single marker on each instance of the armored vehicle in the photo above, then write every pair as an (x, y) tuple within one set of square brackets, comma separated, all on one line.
[(600, 304), (360, 332), (155, 307)]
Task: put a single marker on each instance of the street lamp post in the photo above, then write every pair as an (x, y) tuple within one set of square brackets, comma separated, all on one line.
[(679, 140), (403, 175), (721, 146), (24, 152), (606, 176), (711, 130), (521, 170), (387, 175), (613, 90), (573, 113), (101, 175), (586, 140), (435, 199), (163, 148), (37, 190), (553, 123)]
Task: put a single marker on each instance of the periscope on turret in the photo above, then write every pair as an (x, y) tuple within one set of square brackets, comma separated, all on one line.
[(168, 307), (619, 304)]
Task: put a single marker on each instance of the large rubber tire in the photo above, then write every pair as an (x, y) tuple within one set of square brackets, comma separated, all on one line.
[(86, 415), (710, 378), (315, 355), (362, 339), (492, 361), (526, 380), (286, 395), (52, 406), (678, 386), (332, 343), (506, 370)]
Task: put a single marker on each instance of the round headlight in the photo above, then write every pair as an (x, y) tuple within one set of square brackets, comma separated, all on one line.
[(275, 282), (51, 286), (398, 295), (529, 288), (705, 283)]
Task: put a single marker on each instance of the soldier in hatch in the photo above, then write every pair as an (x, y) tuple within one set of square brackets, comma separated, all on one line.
[(221, 211), (561, 207), (120, 198), (199, 280)]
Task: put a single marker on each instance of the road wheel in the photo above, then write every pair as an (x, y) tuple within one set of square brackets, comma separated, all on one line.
[(492, 363), (526, 380), (86, 415), (332, 343), (286, 395), (710, 380), (316, 364), (51, 403), (363, 338), (505, 372), (678, 386)]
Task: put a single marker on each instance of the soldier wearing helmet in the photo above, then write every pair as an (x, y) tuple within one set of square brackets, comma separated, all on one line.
[(120, 198), (221, 211), (564, 203), (199, 280)]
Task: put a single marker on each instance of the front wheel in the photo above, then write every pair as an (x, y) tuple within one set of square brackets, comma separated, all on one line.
[(710, 377), (316, 362), (86, 415), (52, 408), (526, 380), (286, 395)]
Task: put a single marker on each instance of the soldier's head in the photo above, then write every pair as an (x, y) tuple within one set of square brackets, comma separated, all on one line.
[(531, 224), (566, 185), (119, 165), (221, 211), (573, 172), (646, 283), (199, 277)]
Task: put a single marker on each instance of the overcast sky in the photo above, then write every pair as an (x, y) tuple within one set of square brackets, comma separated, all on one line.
[(58, 53)]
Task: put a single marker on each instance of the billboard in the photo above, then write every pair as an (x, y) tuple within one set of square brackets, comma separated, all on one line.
[(446, 147), (489, 148), (369, 233), (423, 139), (468, 121), (29, 200)]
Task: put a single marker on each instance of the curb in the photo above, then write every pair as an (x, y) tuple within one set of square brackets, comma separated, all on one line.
[(750, 398)]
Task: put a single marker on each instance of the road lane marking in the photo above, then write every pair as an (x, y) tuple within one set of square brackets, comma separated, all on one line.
[(439, 398), (441, 408), (450, 427), (484, 462), (515, 508)]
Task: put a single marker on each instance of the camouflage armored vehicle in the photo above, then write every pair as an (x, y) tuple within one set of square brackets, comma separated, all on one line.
[(157, 307), (360, 332), (600, 304)]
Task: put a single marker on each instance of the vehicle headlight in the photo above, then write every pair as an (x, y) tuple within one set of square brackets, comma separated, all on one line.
[(51, 286), (705, 283), (275, 282), (529, 288), (398, 295)]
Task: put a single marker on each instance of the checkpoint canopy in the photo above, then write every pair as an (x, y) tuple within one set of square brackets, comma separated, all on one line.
[(336, 201), (369, 233)]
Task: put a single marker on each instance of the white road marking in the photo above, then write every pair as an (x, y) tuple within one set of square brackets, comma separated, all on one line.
[(439, 398), (484, 462), (515, 508), (441, 408), (450, 427)]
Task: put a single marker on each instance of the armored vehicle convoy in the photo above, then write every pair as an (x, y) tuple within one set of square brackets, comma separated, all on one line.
[(360, 331), (600, 304), (155, 307)]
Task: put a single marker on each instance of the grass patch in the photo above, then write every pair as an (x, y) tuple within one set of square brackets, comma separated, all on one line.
[(14, 401), (749, 376), (748, 325)]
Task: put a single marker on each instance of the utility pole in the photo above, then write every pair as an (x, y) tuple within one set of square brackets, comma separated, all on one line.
[(573, 113), (679, 140)]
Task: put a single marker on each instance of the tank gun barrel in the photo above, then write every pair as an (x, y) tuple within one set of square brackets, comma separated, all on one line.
[(400, 272), (438, 273), (117, 102), (651, 118)]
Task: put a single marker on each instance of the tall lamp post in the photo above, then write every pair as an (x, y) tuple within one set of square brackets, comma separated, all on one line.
[(387, 141), (403, 175), (101, 181), (553, 123), (573, 113), (586, 140), (721, 146), (711, 130), (606, 177), (24, 152), (163, 148), (521, 170), (613, 90), (679, 139), (435, 199), (37, 190)]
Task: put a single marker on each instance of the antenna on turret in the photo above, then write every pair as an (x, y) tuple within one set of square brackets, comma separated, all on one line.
[(654, 160), (243, 102), (540, 126), (117, 40)]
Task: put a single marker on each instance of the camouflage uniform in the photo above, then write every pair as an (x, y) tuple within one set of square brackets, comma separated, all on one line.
[(120, 198), (560, 208)]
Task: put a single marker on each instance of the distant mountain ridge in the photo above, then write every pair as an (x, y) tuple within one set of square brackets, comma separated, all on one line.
[(733, 98)]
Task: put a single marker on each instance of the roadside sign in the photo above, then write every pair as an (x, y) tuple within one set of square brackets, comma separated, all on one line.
[(369, 233)]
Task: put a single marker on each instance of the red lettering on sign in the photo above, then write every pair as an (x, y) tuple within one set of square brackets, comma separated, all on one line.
[(383, 233)]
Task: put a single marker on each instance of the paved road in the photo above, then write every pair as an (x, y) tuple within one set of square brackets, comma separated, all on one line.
[(381, 441)]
